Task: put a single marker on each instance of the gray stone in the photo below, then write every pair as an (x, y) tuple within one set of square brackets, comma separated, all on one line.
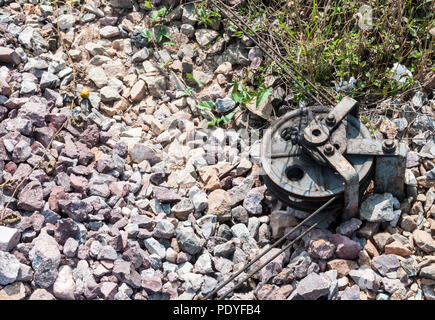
[(141, 55), (141, 152), (107, 253), (207, 224), (253, 199), (392, 285), (299, 264), (428, 271), (225, 105), (365, 278), (183, 208), (9, 268), (205, 36), (187, 30), (164, 229), (198, 198), (49, 80), (189, 15), (109, 32), (70, 247), (224, 250), (379, 208), (45, 257), (98, 76), (154, 246), (203, 264), (66, 21), (109, 94), (313, 286), (188, 241)]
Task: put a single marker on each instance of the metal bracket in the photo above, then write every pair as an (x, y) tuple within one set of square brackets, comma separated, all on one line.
[(348, 174), (390, 155), (390, 163)]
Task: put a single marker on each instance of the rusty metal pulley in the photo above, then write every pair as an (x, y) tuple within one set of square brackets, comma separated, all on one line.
[(313, 154)]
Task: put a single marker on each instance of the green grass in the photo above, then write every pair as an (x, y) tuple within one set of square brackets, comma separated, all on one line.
[(322, 39)]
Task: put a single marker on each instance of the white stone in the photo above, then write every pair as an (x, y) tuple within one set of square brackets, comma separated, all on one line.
[(64, 286), (9, 238)]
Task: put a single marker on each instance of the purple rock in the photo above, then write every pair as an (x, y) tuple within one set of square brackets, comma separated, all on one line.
[(164, 195), (76, 209), (412, 159), (85, 154), (348, 227), (385, 263), (351, 293), (105, 164), (321, 249), (108, 290), (252, 201), (65, 229), (34, 112), (31, 197), (345, 247), (70, 149), (78, 183), (152, 283), (134, 255), (90, 136)]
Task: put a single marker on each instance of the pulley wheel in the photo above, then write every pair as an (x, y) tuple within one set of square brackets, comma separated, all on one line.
[(298, 180)]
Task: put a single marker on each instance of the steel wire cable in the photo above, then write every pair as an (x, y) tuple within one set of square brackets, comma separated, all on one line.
[(272, 258), (271, 247)]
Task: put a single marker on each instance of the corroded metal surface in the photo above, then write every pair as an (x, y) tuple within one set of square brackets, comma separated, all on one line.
[(313, 154), (305, 179)]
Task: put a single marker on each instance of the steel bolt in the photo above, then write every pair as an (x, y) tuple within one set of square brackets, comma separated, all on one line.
[(388, 145), (329, 150), (330, 120)]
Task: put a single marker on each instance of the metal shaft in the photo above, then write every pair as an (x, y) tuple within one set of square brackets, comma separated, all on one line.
[(270, 248), (271, 259)]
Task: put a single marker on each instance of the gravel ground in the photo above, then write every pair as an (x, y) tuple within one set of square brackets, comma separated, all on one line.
[(135, 200)]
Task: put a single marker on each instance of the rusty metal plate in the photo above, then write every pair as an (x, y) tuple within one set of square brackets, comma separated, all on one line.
[(373, 147)]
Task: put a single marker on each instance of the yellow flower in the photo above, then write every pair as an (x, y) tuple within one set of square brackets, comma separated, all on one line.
[(84, 93)]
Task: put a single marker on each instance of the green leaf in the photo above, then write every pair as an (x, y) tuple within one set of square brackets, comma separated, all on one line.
[(148, 4), (159, 13), (187, 92), (206, 105), (235, 94), (227, 118), (212, 122), (191, 77), (147, 34), (160, 32), (171, 43), (263, 94)]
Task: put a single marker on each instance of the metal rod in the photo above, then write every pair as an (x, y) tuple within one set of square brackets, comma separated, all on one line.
[(270, 248), (271, 259), (274, 51)]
